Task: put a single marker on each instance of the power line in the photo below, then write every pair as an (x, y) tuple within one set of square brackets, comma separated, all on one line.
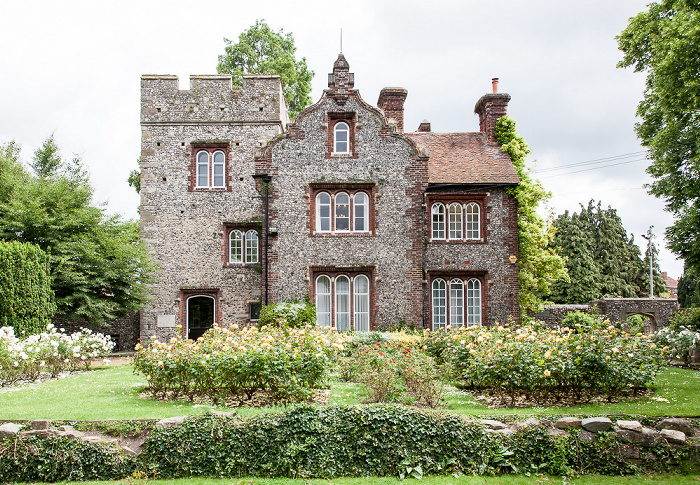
[(593, 168), (593, 162)]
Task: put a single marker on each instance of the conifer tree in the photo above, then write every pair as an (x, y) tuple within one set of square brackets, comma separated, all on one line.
[(689, 288)]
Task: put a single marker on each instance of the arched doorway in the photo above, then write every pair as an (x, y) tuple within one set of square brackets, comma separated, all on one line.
[(200, 315)]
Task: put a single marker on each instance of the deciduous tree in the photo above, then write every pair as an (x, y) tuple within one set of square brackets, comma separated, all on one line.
[(664, 42), (260, 50)]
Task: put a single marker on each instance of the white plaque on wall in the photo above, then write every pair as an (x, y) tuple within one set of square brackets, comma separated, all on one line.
[(166, 321)]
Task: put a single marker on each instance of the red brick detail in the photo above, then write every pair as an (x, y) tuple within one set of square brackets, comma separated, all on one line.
[(226, 229), (350, 118), (391, 101), (370, 188), (463, 198), (210, 147), (333, 272), (186, 293), (511, 242), (490, 108)]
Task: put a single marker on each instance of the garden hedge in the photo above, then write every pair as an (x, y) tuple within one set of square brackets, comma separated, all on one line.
[(332, 441)]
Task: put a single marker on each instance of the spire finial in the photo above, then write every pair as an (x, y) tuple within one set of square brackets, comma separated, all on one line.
[(341, 40)]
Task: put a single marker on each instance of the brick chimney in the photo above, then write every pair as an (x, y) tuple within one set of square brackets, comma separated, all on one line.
[(391, 102), (491, 107), (424, 126)]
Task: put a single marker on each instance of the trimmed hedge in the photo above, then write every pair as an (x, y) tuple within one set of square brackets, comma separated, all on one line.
[(292, 314), (26, 298)]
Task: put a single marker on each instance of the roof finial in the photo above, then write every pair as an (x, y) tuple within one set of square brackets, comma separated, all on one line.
[(341, 40)]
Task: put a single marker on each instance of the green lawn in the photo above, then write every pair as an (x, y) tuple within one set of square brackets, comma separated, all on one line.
[(429, 480), (112, 393)]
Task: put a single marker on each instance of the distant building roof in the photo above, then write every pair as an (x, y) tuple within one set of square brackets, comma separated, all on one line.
[(671, 284), (465, 158)]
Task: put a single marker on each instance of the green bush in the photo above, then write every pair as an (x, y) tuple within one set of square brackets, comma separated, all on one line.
[(53, 459), (26, 298), (292, 314), (688, 318)]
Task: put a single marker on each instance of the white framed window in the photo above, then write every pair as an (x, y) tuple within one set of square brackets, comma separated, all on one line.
[(323, 212), (342, 212), (203, 169), (438, 221), (473, 302), (323, 301), (456, 303), (439, 303), (342, 303), (455, 221), (209, 169), (251, 246), (462, 303), (235, 252), (361, 303), (472, 212), (218, 169), (360, 204), (341, 138)]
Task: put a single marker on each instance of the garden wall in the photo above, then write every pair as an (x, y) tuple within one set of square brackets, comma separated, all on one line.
[(124, 331)]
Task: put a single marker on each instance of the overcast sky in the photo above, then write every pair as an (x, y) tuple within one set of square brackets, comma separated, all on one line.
[(72, 68)]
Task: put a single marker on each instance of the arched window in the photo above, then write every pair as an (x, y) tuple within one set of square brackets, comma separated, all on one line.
[(342, 212), (218, 164), (200, 315), (456, 303), (472, 221), (342, 303), (341, 138), (455, 217), (235, 254), (361, 301), (323, 212), (323, 301), (360, 202), (439, 299), (251, 246), (203, 169), (438, 221), (473, 302)]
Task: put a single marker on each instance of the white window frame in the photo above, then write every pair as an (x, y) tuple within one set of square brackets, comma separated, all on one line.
[(456, 302), (365, 211), (360, 300), (336, 206), (472, 221), (341, 127), (342, 304), (202, 169), (319, 218), (234, 236), (473, 302), (455, 220), (324, 306), (218, 164), (438, 303), (251, 246), (437, 221)]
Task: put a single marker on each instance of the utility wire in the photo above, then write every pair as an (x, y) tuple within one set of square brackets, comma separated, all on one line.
[(592, 168), (592, 162)]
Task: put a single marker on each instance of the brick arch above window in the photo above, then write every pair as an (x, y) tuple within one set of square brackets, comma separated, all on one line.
[(239, 247), (336, 124), (215, 158), (342, 209)]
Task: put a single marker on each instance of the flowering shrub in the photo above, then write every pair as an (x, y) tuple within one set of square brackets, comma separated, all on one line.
[(389, 369), (50, 351), (586, 360), (688, 318), (288, 314), (679, 344), (236, 363)]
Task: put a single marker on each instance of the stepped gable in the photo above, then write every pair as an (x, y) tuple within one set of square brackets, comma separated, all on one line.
[(465, 158)]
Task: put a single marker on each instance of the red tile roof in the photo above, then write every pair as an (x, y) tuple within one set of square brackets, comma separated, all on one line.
[(465, 158)]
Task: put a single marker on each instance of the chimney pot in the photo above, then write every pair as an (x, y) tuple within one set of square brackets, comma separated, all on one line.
[(494, 85)]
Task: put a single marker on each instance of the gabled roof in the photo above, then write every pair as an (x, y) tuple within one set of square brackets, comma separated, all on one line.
[(465, 158)]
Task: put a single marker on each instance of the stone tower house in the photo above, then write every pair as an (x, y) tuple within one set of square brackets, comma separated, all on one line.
[(377, 226)]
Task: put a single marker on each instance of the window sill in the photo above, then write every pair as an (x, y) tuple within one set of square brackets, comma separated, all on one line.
[(342, 234), (457, 241)]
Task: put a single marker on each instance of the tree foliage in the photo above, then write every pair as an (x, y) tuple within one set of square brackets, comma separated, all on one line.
[(260, 50), (26, 299), (664, 42), (602, 260), (538, 265), (689, 288), (99, 266)]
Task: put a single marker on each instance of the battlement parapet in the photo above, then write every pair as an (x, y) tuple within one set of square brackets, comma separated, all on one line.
[(212, 99)]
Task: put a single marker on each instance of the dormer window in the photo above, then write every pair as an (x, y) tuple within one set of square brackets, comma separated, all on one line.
[(341, 138)]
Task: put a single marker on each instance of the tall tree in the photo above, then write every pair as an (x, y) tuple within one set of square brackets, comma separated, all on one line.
[(260, 50), (602, 260), (664, 42), (99, 266), (538, 264), (689, 288)]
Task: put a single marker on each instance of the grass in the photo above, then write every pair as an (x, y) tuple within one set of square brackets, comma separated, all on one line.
[(112, 393), (427, 480)]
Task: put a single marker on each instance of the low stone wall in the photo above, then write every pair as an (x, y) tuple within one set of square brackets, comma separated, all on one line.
[(123, 331)]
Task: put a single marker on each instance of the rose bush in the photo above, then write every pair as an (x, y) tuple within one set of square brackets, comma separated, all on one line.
[(679, 343), (586, 359), (233, 363), (51, 351)]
